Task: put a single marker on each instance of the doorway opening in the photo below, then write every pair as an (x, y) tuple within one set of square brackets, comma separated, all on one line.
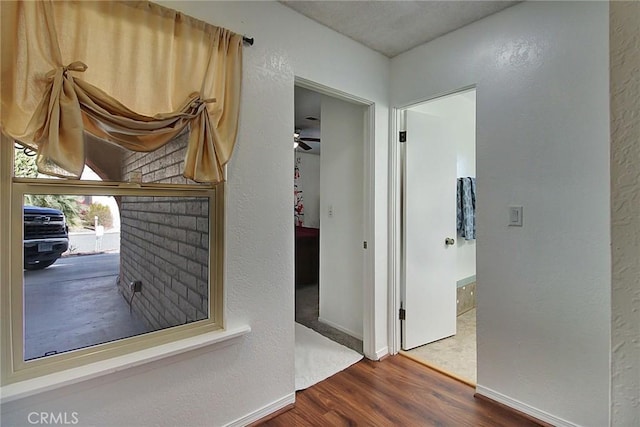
[(328, 216), (438, 261), (331, 210)]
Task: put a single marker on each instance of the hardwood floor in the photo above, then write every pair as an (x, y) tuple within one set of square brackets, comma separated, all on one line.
[(395, 392)]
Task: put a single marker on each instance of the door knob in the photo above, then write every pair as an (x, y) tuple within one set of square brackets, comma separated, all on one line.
[(449, 241)]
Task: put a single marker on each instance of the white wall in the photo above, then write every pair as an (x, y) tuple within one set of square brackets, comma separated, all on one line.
[(341, 234), (466, 134), (216, 387), (625, 210), (309, 182), (542, 142)]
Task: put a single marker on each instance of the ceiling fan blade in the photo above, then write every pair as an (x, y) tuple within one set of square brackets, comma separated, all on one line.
[(304, 146), (308, 139)]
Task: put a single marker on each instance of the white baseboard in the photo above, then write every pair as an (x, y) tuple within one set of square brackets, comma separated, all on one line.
[(382, 352), (264, 411), (523, 407), (340, 328)]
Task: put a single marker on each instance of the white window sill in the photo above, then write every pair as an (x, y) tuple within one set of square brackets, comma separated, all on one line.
[(56, 380)]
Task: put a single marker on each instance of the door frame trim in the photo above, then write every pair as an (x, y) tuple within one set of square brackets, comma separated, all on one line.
[(368, 276), (396, 176)]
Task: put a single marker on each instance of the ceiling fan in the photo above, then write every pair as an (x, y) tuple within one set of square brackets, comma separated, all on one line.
[(301, 142)]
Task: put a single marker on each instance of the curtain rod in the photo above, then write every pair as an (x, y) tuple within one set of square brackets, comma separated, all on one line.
[(247, 40)]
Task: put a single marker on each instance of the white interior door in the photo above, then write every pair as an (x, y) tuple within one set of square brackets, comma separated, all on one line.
[(429, 291)]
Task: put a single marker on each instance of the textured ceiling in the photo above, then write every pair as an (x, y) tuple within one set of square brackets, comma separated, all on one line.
[(393, 27)]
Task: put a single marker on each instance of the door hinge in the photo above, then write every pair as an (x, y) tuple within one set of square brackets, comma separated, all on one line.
[(403, 314), (364, 244), (403, 136)]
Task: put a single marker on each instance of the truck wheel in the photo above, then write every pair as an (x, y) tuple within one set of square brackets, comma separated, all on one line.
[(39, 265)]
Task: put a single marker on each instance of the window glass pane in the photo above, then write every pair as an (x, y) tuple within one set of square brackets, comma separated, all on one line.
[(99, 269), (109, 162)]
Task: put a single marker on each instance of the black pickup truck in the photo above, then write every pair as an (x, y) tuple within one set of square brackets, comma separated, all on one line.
[(46, 237)]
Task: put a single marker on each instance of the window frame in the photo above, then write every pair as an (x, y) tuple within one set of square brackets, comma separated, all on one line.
[(14, 368)]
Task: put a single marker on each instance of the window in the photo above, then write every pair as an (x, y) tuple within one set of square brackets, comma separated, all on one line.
[(156, 254), (124, 259)]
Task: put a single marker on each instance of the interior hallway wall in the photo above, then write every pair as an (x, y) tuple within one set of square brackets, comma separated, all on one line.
[(543, 143), (310, 182), (233, 383), (341, 214), (625, 210)]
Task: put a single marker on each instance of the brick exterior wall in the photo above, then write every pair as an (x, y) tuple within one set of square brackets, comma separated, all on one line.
[(163, 165), (164, 243)]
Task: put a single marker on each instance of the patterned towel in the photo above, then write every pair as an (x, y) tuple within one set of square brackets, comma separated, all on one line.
[(466, 212)]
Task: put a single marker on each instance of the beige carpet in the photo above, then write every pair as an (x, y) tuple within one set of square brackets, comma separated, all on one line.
[(456, 354), (307, 313)]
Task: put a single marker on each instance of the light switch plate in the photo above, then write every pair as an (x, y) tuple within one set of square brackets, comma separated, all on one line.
[(515, 216)]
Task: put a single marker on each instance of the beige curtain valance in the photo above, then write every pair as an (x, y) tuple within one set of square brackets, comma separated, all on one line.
[(132, 73)]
